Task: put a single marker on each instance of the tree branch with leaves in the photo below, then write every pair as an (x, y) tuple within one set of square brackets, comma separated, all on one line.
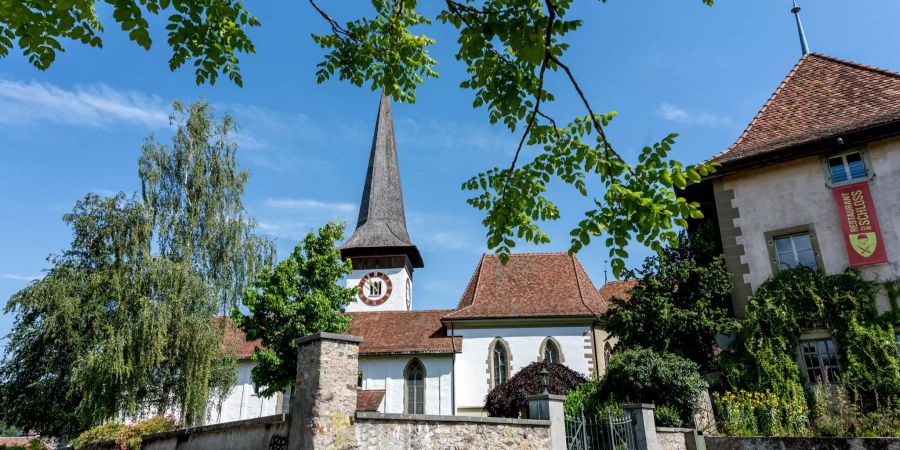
[(509, 47)]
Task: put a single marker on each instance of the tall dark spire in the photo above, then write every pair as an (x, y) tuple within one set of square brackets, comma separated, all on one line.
[(381, 227), (803, 46)]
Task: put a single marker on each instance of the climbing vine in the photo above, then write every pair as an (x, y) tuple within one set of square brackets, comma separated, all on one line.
[(846, 306)]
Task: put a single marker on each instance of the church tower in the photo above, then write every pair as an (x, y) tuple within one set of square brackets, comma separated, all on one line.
[(380, 250)]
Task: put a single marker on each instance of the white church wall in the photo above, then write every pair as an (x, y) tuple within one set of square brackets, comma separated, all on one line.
[(399, 288), (524, 346), (386, 372), (242, 402)]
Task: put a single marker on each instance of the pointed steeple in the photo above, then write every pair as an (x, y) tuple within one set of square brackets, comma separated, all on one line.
[(381, 227), (803, 45)]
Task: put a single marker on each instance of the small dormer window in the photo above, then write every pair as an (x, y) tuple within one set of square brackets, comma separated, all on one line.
[(847, 167)]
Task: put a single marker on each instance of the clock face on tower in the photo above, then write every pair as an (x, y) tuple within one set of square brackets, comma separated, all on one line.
[(375, 289)]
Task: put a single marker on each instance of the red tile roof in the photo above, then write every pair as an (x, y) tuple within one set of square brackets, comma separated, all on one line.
[(236, 338), (618, 289), (368, 400), (529, 285), (17, 440), (821, 98), (403, 332)]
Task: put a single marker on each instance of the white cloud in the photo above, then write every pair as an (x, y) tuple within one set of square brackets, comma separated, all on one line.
[(18, 277), (95, 105), (674, 113), (294, 231), (454, 135), (310, 204)]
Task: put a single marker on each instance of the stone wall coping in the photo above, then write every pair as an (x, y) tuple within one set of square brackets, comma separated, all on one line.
[(674, 430), (458, 419), (552, 397), (639, 406), (324, 335), (256, 421)]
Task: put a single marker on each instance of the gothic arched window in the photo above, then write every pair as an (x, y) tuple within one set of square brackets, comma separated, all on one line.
[(551, 351), (499, 359), (415, 387)]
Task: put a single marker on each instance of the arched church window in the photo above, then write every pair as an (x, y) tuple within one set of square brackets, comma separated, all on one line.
[(551, 351), (499, 363), (415, 387)]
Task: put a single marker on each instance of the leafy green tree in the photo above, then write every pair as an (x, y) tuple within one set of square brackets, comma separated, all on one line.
[(193, 188), (679, 304), (297, 297), (640, 375), (510, 49), (123, 320)]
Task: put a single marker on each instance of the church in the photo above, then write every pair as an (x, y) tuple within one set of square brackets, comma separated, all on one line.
[(538, 306)]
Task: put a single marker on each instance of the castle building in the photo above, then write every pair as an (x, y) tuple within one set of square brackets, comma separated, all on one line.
[(814, 180)]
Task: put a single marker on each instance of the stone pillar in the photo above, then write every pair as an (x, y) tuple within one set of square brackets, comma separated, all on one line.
[(324, 401), (644, 425), (550, 407)]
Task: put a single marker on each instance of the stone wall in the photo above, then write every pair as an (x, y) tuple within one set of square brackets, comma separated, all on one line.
[(801, 443), (671, 438), (402, 431), (269, 432)]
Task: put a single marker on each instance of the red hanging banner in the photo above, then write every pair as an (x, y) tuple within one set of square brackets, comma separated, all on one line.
[(862, 235)]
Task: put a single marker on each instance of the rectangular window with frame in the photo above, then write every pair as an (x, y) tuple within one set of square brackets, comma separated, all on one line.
[(794, 251), (847, 167), (820, 361)]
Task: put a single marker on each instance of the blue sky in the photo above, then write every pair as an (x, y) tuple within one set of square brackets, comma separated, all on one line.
[(663, 65)]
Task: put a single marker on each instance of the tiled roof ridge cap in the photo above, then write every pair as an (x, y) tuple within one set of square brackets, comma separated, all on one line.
[(529, 254), (400, 312), (476, 278), (765, 106), (857, 65), (575, 264)]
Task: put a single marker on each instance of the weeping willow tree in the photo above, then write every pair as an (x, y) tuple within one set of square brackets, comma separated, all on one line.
[(122, 323)]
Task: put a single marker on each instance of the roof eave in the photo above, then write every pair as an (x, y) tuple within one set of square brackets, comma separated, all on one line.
[(808, 148)]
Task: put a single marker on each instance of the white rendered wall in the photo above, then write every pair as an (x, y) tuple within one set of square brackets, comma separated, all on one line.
[(524, 346), (386, 372), (794, 193), (397, 300), (242, 403)]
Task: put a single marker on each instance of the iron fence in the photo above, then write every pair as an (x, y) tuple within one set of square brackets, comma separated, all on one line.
[(609, 431)]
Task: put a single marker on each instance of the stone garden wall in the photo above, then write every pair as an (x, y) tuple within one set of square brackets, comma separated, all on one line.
[(402, 431), (269, 432), (801, 443)]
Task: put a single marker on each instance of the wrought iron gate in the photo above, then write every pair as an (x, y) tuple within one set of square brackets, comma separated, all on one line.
[(602, 432)]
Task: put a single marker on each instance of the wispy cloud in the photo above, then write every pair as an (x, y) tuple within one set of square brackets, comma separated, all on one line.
[(441, 232), (310, 204), (18, 277), (675, 113), (95, 105), (454, 135), (292, 230)]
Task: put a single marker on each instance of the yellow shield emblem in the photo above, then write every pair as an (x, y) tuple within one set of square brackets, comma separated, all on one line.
[(864, 243)]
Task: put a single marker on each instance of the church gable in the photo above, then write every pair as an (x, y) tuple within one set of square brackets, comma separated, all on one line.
[(530, 285)]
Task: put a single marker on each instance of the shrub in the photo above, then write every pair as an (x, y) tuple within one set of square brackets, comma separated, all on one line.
[(745, 413), (100, 433), (836, 415), (667, 416), (644, 376), (130, 436), (126, 436), (508, 399)]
